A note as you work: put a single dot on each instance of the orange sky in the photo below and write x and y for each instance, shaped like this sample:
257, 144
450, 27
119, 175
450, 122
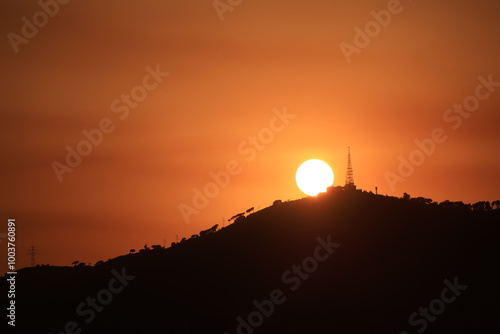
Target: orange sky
227, 79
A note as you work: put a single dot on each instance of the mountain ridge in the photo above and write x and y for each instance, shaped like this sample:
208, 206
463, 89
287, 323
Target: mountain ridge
394, 255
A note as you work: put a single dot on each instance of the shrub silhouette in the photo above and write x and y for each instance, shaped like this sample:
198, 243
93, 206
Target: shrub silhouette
481, 206
213, 229
240, 218
456, 205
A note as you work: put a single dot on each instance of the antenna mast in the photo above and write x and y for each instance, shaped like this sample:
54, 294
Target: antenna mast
349, 179
33, 252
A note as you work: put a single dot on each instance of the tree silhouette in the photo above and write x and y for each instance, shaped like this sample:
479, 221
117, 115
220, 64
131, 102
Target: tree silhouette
481, 206
422, 200
455, 205
210, 230
240, 218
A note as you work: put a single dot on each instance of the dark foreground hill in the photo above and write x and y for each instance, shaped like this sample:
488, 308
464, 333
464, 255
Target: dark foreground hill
344, 262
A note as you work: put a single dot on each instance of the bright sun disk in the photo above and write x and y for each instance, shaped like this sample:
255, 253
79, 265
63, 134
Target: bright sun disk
314, 176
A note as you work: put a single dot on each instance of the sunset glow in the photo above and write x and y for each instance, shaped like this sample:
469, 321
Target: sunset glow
130, 123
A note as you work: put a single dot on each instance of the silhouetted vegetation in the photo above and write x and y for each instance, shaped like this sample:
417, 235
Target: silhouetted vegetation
481, 206
236, 216
422, 200
209, 231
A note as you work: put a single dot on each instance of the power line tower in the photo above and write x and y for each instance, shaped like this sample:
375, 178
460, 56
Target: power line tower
349, 178
33, 252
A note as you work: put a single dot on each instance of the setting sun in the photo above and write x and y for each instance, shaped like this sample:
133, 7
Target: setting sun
314, 176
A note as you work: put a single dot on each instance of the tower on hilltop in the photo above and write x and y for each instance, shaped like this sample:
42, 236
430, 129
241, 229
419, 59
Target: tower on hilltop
349, 179
33, 252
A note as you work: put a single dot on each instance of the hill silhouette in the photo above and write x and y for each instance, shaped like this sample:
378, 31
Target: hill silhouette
346, 261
